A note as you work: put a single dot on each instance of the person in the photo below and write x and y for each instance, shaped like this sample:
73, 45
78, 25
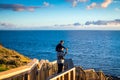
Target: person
60, 45
60, 55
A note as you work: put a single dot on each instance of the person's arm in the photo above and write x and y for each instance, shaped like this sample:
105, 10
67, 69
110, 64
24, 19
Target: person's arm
64, 48
66, 51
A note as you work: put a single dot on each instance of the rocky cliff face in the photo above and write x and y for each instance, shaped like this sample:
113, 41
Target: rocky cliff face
11, 59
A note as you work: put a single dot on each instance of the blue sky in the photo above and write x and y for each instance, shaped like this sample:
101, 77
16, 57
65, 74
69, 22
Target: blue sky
28, 13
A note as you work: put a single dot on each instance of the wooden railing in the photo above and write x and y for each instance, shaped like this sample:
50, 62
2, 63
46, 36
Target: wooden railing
53, 68
90, 74
45, 70
35, 70
66, 75
102, 76
80, 74
22, 73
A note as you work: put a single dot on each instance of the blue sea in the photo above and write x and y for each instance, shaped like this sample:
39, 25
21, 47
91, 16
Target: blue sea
90, 49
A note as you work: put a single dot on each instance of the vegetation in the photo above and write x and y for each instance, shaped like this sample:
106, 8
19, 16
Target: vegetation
11, 59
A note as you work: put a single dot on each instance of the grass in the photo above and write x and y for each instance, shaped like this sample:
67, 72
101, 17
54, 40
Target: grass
3, 67
11, 59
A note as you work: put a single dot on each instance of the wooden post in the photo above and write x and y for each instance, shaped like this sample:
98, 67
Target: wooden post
28, 76
63, 77
38, 76
100, 75
69, 75
59, 78
23, 77
74, 74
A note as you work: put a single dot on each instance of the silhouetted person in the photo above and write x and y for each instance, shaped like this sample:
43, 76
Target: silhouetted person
60, 55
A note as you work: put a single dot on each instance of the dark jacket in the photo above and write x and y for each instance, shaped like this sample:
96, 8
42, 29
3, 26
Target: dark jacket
59, 47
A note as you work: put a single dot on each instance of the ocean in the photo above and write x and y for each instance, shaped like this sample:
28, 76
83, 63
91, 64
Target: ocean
88, 48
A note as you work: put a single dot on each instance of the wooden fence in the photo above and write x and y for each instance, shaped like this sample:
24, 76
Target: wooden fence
45, 70
66, 75
35, 70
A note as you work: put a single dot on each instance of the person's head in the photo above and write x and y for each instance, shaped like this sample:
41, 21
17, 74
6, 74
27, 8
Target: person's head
61, 42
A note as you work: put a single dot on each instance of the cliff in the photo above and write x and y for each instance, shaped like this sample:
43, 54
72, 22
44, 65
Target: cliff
11, 59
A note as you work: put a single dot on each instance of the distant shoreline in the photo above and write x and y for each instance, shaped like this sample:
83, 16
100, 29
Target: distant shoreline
59, 30
89, 27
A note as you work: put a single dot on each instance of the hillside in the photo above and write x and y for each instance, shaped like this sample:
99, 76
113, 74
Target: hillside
11, 59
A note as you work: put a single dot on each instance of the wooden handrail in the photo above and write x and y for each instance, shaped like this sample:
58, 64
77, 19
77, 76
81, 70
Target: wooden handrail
44, 69
19, 70
40, 64
54, 62
102, 75
80, 73
64, 73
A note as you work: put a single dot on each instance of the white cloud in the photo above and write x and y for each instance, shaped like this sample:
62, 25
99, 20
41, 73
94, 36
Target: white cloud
93, 5
77, 0
21, 7
106, 3
46, 4
31, 9
83, 0
18, 7
6, 25
104, 22
74, 4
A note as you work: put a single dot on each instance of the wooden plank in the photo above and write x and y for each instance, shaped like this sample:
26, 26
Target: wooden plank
23, 77
74, 74
62, 77
28, 77
64, 73
69, 75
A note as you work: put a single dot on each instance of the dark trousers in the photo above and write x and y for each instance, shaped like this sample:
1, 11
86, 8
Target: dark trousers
60, 67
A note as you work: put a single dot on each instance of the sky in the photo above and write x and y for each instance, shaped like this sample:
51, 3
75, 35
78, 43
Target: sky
40, 13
